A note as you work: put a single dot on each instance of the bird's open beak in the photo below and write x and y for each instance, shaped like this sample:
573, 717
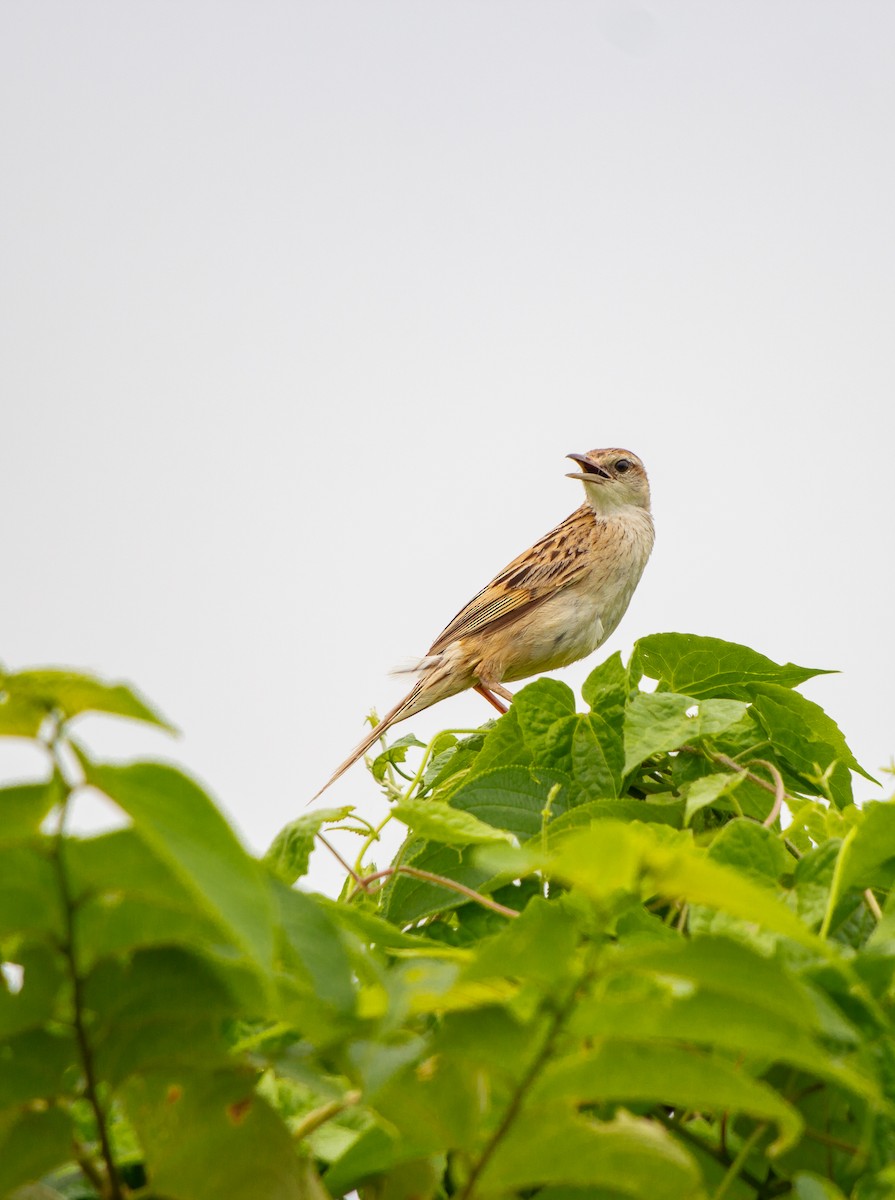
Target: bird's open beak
590, 472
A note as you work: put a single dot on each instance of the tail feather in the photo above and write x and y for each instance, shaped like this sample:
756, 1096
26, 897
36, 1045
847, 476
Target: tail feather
402, 709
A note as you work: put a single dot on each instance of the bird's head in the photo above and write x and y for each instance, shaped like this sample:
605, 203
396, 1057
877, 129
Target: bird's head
613, 479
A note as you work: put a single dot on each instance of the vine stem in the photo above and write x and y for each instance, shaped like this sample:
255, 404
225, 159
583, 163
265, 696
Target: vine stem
69, 948
776, 788
359, 881
512, 1110
373, 836
442, 881
736, 1166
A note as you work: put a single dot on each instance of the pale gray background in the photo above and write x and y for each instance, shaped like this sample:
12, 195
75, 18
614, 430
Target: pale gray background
304, 303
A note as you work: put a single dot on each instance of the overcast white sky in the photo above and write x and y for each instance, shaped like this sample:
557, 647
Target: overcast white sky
303, 304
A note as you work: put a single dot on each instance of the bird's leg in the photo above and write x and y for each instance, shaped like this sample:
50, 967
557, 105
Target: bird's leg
490, 697
490, 688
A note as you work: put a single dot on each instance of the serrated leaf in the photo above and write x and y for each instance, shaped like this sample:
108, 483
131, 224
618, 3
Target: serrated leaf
606, 688
538, 706
633, 1073
73, 693
705, 666
504, 745
440, 822
657, 722
289, 854
807, 738
511, 798
184, 828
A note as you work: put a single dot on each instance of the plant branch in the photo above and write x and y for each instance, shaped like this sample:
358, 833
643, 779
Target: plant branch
522, 1088
736, 1167
717, 1153
358, 881
779, 791
724, 760
326, 1112
441, 881
111, 1185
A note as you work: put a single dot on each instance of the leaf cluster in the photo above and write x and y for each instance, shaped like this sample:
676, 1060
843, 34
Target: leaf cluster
646, 949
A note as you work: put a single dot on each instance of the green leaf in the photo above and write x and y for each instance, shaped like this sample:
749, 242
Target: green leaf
755, 851
807, 739
511, 798
31, 1144
71, 693
728, 968
588, 751
163, 1006
29, 893
613, 857
705, 666
554, 1145
661, 810
127, 897
375, 931
659, 721
652, 1010
34, 1065
538, 706
868, 858
43, 980
606, 688
808, 1186
503, 746
408, 899
290, 852
19, 715
539, 947
182, 826
316, 946
237, 1146
658, 1074
707, 790
24, 807
395, 753
440, 822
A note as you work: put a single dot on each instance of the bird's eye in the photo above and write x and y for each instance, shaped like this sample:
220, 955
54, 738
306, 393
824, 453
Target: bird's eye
622, 465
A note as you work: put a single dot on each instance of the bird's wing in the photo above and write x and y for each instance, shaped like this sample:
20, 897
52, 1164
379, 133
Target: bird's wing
560, 557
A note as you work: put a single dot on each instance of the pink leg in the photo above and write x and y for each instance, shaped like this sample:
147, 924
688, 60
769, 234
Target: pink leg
490, 697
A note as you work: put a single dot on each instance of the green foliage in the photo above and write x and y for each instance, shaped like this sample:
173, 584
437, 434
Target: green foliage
644, 950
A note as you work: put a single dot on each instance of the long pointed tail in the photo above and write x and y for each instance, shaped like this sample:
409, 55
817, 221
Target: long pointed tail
404, 708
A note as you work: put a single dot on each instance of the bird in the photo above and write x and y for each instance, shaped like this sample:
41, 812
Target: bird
552, 605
